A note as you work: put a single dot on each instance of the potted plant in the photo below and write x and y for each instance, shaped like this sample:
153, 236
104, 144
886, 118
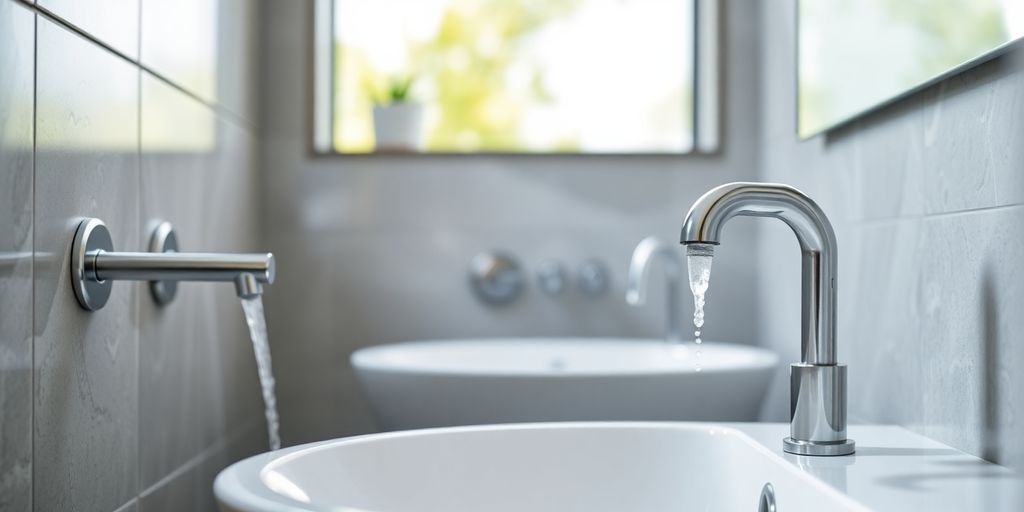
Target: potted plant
397, 121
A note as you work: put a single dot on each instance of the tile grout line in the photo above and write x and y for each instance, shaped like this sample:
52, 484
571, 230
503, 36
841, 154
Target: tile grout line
138, 229
126, 505
940, 215
32, 267
222, 443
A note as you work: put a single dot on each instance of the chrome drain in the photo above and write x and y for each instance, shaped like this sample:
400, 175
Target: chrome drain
767, 501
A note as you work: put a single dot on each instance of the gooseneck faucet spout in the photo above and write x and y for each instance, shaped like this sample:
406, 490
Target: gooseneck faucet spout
818, 382
636, 286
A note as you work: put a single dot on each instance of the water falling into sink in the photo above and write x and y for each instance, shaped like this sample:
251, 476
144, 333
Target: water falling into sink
698, 261
253, 308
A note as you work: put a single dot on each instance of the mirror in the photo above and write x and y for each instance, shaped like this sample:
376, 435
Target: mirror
857, 55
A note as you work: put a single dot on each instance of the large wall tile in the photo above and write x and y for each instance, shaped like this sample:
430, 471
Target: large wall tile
970, 301
233, 225
86, 382
961, 169
17, 39
879, 307
115, 22
197, 371
236, 57
889, 166
180, 42
178, 356
1008, 158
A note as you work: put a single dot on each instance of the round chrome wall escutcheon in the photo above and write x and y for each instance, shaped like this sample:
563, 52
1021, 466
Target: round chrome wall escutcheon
163, 240
496, 278
91, 238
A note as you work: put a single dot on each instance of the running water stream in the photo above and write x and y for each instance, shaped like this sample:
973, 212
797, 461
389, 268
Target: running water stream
698, 262
253, 308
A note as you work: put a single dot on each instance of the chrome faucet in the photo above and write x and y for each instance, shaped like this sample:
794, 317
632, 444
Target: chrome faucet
636, 285
817, 383
94, 265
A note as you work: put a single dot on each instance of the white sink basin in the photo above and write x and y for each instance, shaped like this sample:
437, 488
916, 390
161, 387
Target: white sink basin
488, 381
588, 467
620, 467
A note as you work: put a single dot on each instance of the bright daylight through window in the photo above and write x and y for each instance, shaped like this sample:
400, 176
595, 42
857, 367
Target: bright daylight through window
515, 76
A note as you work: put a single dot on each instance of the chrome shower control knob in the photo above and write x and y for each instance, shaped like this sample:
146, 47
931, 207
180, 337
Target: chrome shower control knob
496, 278
551, 277
592, 278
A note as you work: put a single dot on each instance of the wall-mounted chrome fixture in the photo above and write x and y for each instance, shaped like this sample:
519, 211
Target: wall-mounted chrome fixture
817, 383
496, 278
592, 278
636, 283
95, 265
552, 277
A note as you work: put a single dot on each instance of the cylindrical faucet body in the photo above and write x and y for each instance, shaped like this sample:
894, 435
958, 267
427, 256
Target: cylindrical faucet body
818, 383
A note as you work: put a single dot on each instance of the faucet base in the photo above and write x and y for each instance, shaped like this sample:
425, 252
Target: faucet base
818, 449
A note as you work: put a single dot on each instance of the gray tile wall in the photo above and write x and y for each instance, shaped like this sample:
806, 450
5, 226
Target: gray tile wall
134, 406
927, 197
375, 249
16, 142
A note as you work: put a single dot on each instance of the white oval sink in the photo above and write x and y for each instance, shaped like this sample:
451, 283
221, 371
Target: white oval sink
590, 467
487, 381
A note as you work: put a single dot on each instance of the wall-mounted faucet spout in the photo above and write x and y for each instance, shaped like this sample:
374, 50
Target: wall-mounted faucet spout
818, 383
179, 266
636, 286
94, 265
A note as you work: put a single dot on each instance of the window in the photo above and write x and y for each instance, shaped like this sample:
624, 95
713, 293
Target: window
516, 76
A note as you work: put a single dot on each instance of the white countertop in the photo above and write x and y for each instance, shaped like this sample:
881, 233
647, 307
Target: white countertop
896, 469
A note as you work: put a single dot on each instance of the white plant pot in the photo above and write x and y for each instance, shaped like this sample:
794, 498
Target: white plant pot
398, 127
